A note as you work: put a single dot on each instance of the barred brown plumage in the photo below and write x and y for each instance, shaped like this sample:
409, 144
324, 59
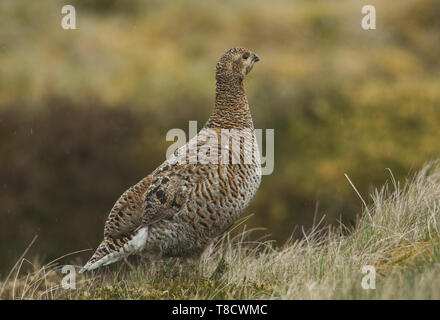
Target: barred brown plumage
181, 207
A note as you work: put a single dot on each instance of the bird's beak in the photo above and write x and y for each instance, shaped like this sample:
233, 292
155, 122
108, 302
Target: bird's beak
255, 58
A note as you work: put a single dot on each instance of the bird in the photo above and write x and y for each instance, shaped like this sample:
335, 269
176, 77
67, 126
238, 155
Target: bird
199, 191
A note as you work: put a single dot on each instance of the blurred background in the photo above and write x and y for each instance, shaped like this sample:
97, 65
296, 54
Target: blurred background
84, 113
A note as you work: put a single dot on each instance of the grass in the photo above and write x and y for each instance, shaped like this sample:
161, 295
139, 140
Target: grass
398, 234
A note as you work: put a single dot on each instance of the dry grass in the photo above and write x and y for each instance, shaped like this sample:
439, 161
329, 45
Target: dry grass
398, 234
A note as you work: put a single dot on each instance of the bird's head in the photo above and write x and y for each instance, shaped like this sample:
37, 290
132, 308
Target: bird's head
236, 63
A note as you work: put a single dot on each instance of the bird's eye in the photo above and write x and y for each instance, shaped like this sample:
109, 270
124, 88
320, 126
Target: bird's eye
245, 56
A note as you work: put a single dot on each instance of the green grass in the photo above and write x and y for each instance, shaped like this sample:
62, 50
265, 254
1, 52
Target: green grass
397, 233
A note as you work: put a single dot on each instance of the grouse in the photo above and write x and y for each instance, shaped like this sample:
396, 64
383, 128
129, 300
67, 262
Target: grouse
199, 191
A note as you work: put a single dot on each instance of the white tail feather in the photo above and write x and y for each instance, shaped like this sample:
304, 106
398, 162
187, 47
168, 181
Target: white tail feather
134, 245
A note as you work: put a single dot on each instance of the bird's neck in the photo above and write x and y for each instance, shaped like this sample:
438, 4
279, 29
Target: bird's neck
231, 106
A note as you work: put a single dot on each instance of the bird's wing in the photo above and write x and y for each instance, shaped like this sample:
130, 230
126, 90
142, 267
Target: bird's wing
168, 192
161, 194
126, 214
158, 196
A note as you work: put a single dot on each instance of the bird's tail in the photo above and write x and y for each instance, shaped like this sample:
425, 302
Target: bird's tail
104, 255
111, 250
